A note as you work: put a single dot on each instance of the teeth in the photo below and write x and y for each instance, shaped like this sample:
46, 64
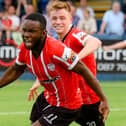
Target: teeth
27, 40
58, 27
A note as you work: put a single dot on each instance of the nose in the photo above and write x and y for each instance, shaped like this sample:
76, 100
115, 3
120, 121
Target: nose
26, 34
58, 21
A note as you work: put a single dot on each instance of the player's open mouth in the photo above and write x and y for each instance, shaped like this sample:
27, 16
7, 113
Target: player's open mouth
28, 43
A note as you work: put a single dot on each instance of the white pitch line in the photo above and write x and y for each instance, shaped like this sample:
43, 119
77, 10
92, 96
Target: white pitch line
112, 85
118, 109
23, 113
13, 113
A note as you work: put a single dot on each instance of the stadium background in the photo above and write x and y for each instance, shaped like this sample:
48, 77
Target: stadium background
111, 65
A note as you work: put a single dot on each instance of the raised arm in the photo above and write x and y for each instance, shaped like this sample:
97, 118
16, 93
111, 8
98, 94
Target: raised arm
102, 28
81, 69
33, 90
11, 74
91, 45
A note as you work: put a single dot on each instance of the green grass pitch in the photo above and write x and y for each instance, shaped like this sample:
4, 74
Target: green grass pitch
15, 109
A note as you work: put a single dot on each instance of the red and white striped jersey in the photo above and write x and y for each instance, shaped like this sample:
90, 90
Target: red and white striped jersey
51, 68
75, 40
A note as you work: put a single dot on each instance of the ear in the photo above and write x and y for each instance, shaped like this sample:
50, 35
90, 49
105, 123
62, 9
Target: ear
44, 32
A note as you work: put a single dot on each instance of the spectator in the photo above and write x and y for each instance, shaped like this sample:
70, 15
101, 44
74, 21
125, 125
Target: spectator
29, 9
113, 23
15, 21
83, 5
21, 7
41, 4
88, 24
49, 28
75, 18
4, 5
7, 3
5, 26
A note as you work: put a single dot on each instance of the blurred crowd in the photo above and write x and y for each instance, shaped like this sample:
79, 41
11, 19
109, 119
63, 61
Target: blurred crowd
13, 13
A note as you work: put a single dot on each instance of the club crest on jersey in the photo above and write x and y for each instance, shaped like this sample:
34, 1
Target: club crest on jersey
69, 55
51, 66
66, 56
72, 56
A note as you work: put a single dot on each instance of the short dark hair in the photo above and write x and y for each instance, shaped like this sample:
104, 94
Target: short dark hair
37, 17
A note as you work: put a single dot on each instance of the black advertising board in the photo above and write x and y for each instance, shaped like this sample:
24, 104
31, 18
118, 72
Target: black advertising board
111, 61
8, 55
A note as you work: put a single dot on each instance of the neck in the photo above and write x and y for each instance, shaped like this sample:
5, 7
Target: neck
38, 48
62, 35
116, 12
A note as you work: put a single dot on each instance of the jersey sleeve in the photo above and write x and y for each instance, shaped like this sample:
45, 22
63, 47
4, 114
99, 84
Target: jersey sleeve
20, 59
66, 56
80, 37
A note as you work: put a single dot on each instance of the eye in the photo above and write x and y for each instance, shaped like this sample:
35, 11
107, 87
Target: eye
62, 18
54, 18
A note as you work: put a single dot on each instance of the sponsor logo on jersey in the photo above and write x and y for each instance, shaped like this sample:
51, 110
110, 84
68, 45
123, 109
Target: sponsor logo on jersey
50, 80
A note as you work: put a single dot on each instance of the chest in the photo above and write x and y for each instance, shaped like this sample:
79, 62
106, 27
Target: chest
43, 67
73, 42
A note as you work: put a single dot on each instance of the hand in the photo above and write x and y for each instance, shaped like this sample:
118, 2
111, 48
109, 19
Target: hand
31, 94
104, 109
105, 48
24, 2
19, 2
33, 91
100, 33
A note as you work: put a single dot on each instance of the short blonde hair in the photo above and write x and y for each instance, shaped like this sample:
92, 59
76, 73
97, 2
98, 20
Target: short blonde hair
57, 5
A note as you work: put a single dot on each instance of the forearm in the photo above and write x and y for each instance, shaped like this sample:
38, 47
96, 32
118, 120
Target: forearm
9, 76
91, 45
90, 79
36, 84
103, 25
118, 45
18, 10
24, 2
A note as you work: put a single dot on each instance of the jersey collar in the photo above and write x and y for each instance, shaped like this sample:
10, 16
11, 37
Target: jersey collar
71, 26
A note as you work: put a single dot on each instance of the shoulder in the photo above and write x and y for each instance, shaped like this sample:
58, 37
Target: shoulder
52, 42
79, 36
53, 45
108, 12
121, 14
22, 48
76, 33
